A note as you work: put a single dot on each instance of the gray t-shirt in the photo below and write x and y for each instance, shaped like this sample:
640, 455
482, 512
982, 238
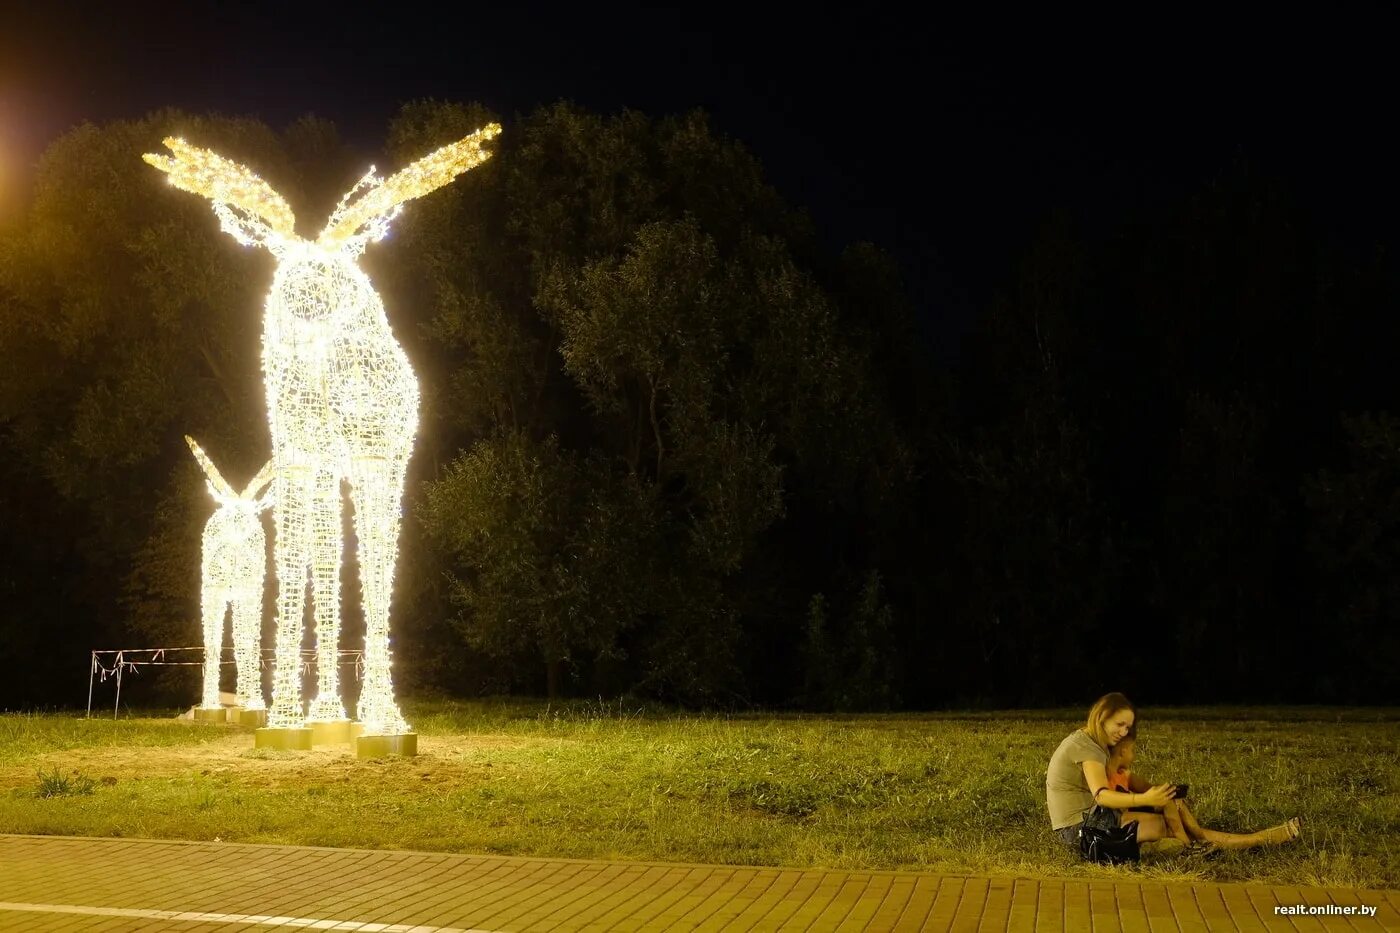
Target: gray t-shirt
1066, 792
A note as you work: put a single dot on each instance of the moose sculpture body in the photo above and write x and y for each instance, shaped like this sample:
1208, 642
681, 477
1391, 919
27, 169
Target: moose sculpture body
342, 406
233, 570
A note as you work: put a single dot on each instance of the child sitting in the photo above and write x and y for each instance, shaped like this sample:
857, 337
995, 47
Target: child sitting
1181, 824
1119, 768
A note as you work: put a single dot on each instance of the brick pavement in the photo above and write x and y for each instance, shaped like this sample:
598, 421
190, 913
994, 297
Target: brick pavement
76, 885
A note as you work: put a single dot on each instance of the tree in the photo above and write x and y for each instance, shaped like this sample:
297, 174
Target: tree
1354, 541
1031, 534
1220, 555
633, 289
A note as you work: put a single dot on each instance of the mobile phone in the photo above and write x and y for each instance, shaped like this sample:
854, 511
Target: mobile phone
1181, 790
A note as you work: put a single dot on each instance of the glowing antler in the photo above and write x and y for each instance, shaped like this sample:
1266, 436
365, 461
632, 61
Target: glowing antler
264, 476
429, 173
216, 479
225, 182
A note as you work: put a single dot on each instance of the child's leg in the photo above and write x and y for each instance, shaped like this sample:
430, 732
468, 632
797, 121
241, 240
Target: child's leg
1193, 828
1175, 823
1153, 826
1277, 835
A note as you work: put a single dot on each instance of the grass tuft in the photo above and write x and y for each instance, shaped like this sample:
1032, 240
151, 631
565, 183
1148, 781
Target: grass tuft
57, 784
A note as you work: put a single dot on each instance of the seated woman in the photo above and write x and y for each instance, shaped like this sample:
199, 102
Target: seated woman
1077, 778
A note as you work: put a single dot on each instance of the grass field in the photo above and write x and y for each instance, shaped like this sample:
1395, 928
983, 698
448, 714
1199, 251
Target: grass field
956, 792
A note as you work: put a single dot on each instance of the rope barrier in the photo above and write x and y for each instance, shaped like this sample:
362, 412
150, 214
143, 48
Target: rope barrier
111, 662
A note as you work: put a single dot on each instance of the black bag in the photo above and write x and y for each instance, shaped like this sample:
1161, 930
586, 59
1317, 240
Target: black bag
1102, 840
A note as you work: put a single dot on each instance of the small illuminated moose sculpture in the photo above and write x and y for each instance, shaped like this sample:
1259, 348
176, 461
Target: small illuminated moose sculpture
342, 405
232, 573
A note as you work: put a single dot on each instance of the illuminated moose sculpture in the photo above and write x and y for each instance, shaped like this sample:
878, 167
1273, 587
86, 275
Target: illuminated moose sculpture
232, 574
342, 405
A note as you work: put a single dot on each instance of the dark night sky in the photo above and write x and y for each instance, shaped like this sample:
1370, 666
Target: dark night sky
945, 144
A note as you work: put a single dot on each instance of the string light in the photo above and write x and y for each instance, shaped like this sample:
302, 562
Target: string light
342, 405
232, 574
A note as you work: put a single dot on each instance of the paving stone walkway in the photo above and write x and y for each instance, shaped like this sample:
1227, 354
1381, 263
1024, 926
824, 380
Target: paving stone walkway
60, 883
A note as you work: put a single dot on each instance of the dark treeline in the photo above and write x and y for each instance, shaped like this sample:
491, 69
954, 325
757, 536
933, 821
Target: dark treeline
673, 447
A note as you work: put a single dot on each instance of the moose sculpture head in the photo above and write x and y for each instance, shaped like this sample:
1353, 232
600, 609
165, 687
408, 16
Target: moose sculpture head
342, 405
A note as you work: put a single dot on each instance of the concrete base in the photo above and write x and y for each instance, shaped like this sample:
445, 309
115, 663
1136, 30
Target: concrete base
383, 746
257, 718
298, 740
333, 731
216, 714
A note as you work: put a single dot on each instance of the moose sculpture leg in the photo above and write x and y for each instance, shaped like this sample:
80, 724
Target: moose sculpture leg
213, 605
377, 484
292, 554
327, 713
247, 638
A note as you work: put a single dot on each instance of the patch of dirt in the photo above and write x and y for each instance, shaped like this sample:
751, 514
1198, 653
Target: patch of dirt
441, 759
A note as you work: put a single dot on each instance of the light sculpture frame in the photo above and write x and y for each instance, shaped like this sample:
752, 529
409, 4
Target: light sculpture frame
233, 571
342, 406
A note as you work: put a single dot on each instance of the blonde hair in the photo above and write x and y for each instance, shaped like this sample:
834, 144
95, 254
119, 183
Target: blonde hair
1103, 710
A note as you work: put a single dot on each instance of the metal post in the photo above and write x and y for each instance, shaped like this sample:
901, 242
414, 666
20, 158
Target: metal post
119, 686
92, 672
